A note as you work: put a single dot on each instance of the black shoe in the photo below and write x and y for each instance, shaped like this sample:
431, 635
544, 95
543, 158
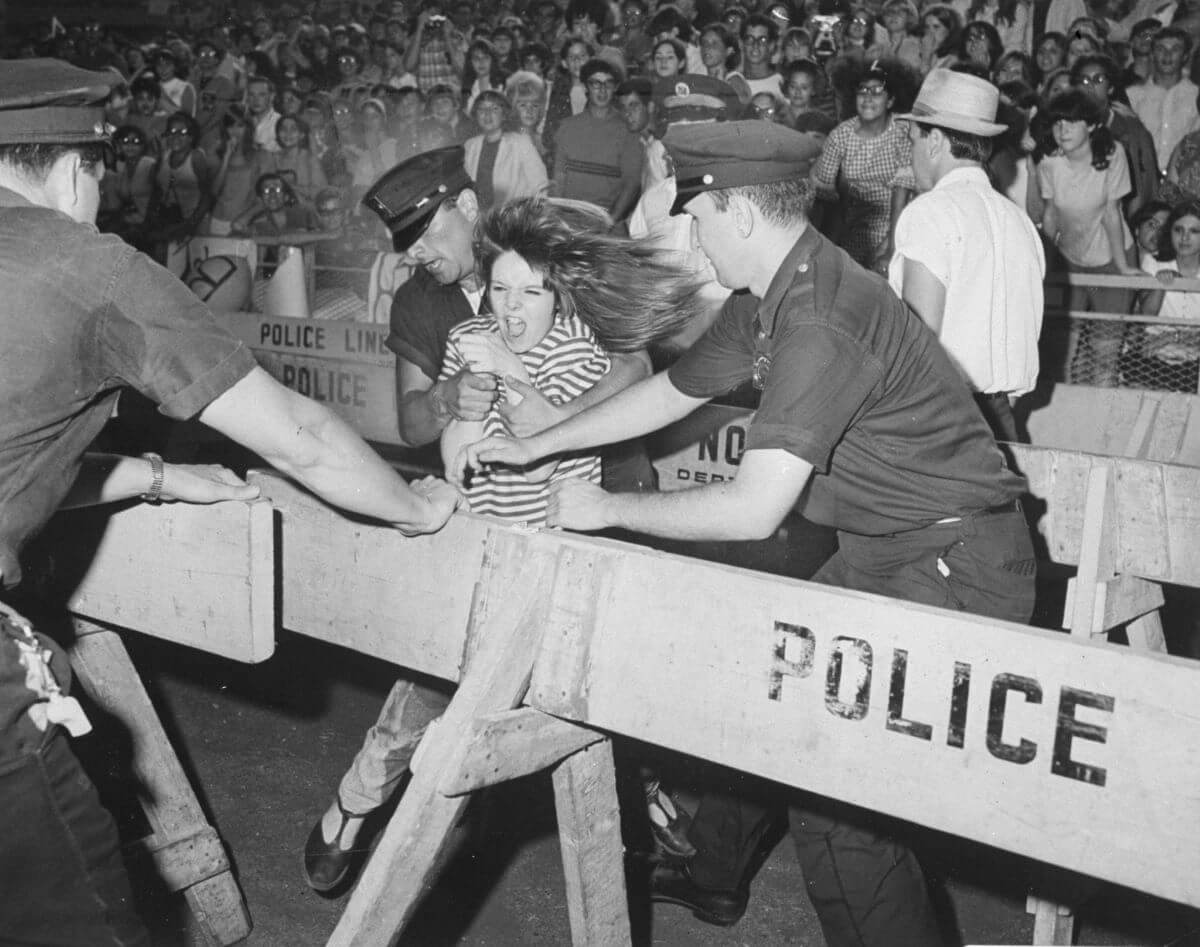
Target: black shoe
673, 884
325, 864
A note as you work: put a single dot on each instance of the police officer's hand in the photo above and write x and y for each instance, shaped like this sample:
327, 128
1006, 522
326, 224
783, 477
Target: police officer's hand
511, 451
526, 410
469, 396
204, 483
443, 500
579, 505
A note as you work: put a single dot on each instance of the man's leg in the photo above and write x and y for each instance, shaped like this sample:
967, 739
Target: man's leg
60, 861
374, 774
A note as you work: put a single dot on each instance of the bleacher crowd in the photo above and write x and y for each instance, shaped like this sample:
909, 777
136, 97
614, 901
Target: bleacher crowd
275, 120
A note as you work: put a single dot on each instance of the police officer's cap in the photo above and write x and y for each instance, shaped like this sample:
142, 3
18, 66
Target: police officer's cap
696, 98
407, 197
48, 101
736, 154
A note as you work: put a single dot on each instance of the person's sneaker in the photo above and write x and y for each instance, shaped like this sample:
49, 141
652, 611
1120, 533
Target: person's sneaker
326, 865
673, 884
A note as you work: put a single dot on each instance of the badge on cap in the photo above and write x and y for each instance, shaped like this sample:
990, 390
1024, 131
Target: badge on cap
682, 89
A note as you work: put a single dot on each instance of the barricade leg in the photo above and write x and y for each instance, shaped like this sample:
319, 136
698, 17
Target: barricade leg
186, 849
589, 832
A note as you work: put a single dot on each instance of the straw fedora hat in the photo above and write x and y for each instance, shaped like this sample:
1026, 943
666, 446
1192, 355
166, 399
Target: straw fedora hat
959, 101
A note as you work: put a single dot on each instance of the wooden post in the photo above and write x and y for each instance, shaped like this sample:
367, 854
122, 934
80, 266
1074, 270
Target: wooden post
589, 833
506, 624
185, 847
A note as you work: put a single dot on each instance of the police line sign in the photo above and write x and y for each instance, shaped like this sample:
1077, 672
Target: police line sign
1081, 754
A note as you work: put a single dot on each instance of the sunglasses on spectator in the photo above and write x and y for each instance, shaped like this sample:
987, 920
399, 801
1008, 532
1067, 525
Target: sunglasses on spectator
871, 88
757, 40
601, 83
1094, 80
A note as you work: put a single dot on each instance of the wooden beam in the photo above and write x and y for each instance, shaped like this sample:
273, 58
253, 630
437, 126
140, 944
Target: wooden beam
183, 862
589, 834
102, 665
202, 576
1068, 751
508, 617
1123, 599
515, 743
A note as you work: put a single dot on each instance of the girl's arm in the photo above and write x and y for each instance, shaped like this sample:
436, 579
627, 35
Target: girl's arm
1116, 239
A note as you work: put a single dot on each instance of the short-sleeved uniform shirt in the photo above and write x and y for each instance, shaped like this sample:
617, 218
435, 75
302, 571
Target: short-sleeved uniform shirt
567, 362
82, 315
423, 310
856, 385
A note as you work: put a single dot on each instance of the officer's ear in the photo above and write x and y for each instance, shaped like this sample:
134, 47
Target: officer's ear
743, 215
468, 204
64, 187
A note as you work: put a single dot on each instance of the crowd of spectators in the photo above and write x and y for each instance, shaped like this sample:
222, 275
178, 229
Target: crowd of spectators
566, 97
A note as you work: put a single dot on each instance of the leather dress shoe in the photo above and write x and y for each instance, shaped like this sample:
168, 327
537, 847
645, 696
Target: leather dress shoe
326, 865
673, 884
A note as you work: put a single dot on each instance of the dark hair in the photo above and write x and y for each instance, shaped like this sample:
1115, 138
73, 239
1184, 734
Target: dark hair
1146, 211
806, 67
539, 51
289, 196
301, 124
780, 202
628, 291
1112, 72
193, 127
1029, 70
146, 84
637, 85
573, 40
733, 49
669, 18
495, 70
991, 37
676, 47
34, 161
757, 19
1175, 32
594, 10
594, 67
963, 145
949, 18
1075, 106
1006, 11
1058, 39
1166, 248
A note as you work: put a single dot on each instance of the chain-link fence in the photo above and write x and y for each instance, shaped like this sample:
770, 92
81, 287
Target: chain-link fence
1116, 349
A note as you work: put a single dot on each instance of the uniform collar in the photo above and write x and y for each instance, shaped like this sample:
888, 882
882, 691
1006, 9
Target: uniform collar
798, 260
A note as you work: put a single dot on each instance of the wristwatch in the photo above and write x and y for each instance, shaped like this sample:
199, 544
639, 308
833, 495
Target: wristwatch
157, 472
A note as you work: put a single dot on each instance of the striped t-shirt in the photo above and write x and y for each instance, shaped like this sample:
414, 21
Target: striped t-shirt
563, 365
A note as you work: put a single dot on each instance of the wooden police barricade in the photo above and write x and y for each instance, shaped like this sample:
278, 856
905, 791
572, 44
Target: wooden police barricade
203, 576
1065, 749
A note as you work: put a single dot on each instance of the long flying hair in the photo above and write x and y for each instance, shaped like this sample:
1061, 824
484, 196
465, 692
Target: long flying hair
626, 290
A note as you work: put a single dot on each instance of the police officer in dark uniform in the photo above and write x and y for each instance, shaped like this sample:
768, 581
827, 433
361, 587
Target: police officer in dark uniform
83, 314
863, 414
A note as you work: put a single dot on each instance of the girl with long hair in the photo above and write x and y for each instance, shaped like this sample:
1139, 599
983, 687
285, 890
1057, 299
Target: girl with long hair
1011, 18
503, 164
1082, 181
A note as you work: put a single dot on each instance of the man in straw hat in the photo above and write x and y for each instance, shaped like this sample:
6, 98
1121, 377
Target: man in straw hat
863, 415
968, 260
84, 314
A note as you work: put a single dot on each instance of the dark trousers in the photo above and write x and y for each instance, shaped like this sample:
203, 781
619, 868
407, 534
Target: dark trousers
997, 411
62, 880
866, 886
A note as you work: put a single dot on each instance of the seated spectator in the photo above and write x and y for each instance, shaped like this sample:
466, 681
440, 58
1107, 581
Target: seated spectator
238, 170
527, 93
147, 112
802, 81
568, 94
901, 19
128, 186
483, 72
294, 161
183, 186
1012, 20
443, 108
375, 152
861, 161
1050, 54
504, 165
178, 95
1168, 357
1099, 78
596, 159
722, 55
941, 39
668, 59
981, 45
276, 213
